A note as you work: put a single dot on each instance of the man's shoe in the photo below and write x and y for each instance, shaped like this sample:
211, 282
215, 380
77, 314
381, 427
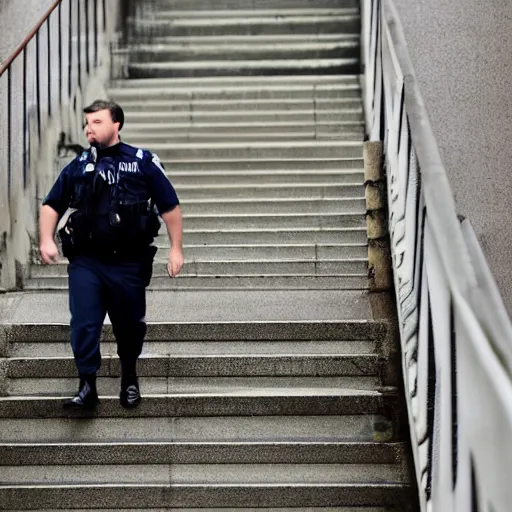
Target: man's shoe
86, 398
130, 393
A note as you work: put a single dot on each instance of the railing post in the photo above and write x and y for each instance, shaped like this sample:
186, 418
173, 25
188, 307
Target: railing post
376, 213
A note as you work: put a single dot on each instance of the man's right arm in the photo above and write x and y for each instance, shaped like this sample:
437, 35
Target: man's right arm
54, 206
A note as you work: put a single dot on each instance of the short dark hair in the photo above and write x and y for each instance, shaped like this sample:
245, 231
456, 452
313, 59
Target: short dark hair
116, 112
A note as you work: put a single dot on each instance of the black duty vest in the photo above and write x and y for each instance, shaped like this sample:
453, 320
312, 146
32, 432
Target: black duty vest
114, 211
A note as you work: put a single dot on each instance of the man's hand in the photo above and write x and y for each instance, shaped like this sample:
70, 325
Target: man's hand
175, 262
49, 252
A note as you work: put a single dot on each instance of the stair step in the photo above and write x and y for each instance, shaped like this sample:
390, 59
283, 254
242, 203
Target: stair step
242, 509
271, 12
175, 90
30, 454
262, 236
153, 385
198, 429
202, 474
187, 133
251, 39
246, 117
238, 267
180, 136
242, 67
143, 496
269, 179
306, 192
171, 349
192, 134
250, 4
258, 150
236, 93
201, 253
166, 24
217, 331
277, 251
242, 268
250, 402
216, 83
316, 252
173, 52
229, 282
222, 105
263, 365
142, 135
266, 205
263, 164
270, 221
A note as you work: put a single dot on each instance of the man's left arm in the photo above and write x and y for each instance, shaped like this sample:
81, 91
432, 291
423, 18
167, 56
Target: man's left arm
167, 203
174, 225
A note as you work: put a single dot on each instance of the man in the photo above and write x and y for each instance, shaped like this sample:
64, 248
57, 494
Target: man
113, 190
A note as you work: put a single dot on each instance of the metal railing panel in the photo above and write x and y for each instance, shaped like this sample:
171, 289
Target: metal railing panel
38, 81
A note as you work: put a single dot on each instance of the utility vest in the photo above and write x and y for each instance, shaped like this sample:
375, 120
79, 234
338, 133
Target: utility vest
114, 214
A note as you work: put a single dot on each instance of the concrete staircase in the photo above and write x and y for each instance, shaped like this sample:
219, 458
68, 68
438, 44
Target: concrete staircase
266, 379
273, 415
268, 162
269, 171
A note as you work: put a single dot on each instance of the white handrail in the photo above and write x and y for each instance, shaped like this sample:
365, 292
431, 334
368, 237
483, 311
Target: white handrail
455, 332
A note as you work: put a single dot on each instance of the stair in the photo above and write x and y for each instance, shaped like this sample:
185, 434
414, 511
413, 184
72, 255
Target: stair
271, 186
264, 378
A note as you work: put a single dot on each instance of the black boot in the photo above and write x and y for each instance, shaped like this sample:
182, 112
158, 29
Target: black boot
130, 392
87, 396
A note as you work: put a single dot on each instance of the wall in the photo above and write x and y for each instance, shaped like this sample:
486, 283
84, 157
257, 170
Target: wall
17, 18
462, 55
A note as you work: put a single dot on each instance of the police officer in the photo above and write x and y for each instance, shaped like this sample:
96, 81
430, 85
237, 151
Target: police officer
115, 193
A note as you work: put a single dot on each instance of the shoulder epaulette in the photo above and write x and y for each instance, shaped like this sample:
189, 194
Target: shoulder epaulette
133, 151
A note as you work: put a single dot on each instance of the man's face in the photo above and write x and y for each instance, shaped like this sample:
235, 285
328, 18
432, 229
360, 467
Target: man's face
100, 129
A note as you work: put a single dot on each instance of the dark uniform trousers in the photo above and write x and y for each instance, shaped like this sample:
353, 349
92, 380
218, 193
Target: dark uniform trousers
97, 287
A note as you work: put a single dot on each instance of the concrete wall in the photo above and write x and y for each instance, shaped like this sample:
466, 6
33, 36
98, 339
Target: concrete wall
18, 213
17, 18
462, 54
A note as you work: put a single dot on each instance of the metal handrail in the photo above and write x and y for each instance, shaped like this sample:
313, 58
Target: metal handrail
5, 65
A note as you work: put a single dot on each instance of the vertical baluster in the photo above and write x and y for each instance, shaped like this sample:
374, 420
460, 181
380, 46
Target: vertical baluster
60, 51
79, 43
25, 122
9, 128
87, 53
49, 51
4, 178
95, 3
70, 50
38, 88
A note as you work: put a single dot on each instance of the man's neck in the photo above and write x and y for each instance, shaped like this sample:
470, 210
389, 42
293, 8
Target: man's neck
111, 150
103, 147
113, 142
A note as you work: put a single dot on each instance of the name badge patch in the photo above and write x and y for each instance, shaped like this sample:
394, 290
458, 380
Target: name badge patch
129, 167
